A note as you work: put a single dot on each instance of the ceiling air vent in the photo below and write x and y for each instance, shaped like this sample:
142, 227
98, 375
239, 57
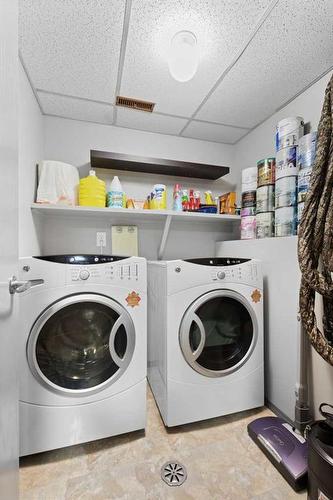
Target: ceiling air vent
128, 102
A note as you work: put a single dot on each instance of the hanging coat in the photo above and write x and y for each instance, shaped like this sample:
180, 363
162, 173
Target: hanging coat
315, 241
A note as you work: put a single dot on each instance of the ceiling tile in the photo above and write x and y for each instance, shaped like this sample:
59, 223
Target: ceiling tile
72, 46
293, 47
149, 121
221, 28
77, 109
213, 132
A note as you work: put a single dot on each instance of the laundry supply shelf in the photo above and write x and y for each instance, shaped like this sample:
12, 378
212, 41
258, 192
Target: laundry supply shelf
131, 217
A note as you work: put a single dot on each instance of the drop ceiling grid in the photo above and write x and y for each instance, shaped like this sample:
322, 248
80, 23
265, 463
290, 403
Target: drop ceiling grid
237, 92
221, 29
287, 54
72, 47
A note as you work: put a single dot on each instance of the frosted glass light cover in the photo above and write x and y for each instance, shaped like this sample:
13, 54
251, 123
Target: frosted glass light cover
183, 56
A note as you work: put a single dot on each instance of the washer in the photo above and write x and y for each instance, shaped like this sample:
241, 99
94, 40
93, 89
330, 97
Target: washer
82, 349
205, 337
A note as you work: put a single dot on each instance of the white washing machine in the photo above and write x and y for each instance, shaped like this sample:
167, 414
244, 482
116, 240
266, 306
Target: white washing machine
205, 337
83, 349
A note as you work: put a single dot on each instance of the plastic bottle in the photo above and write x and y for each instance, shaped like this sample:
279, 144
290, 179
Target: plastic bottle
159, 197
115, 194
177, 198
92, 191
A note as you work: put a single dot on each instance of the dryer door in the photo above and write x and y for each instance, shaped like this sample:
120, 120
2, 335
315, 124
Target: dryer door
218, 333
81, 343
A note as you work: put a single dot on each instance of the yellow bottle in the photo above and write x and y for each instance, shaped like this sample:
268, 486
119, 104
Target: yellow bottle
92, 191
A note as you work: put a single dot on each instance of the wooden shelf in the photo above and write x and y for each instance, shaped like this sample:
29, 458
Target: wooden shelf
118, 216
130, 163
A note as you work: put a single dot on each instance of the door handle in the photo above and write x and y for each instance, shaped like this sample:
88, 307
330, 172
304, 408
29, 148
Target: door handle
17, 286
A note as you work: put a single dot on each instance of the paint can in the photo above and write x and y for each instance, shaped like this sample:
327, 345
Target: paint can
266, 171
265, 199
286, 162
251, 186
248, 211
300, 208
265, 225
288, 132
249, 199
307, 150
249, 179
286, 221
303, 183
286, 192
248, 228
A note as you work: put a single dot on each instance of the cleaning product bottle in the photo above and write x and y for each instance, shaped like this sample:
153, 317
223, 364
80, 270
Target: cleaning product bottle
177, 198
115, 194
92, 191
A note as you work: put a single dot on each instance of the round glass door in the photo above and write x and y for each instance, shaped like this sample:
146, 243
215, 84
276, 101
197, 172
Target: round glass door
218, 333
81, 343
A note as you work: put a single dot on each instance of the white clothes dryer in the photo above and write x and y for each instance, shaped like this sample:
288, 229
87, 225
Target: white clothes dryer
82, 328
205, 337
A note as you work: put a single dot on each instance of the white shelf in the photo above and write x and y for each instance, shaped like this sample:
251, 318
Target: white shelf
118, 216
129, 214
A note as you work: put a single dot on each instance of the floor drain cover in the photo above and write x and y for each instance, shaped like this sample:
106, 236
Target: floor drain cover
173, 473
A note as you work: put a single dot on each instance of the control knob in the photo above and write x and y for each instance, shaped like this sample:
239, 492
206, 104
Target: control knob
84, 274
221, 275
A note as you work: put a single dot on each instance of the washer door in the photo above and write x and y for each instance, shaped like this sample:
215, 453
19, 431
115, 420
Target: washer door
81, 344
218, 333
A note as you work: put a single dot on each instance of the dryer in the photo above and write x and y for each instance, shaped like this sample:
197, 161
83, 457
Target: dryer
82, 329
205, 337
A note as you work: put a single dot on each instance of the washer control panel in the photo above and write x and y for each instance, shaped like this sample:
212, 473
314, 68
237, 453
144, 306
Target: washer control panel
243, 273
104, 273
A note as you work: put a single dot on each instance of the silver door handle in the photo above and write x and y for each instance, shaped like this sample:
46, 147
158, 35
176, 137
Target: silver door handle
16, 286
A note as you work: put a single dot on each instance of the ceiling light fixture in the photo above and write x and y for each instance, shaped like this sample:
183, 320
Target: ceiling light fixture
183, 56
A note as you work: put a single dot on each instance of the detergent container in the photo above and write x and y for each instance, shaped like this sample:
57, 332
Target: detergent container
115, 196
92, 191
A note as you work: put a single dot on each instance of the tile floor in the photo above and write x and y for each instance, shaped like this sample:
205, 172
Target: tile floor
222, 464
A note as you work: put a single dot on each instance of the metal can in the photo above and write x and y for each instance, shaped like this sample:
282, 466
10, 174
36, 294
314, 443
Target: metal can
288, 132
307, 150
265, 225
285, 192
248, 211
248, 228
300, 208
286, 221
265, 199
249, 175
249, 199
266, 171
286, 162
303, 183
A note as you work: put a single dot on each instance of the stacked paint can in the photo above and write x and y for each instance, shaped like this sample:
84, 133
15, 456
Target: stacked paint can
248, 210
305, 160
289, 132
265, 198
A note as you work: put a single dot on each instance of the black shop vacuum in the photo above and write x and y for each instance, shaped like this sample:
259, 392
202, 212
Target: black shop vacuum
320, 456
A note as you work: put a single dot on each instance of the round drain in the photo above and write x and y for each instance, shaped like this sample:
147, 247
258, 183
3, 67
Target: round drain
173, 473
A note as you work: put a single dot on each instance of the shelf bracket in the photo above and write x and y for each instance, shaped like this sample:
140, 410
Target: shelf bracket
164, 238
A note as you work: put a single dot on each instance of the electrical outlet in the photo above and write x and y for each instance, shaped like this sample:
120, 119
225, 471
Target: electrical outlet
101, 239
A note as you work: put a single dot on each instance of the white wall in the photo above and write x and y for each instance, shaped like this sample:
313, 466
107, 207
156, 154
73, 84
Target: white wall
259, 144
31, 150
71, 141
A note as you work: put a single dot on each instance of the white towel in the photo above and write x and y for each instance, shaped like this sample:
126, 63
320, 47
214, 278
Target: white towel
58, 183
